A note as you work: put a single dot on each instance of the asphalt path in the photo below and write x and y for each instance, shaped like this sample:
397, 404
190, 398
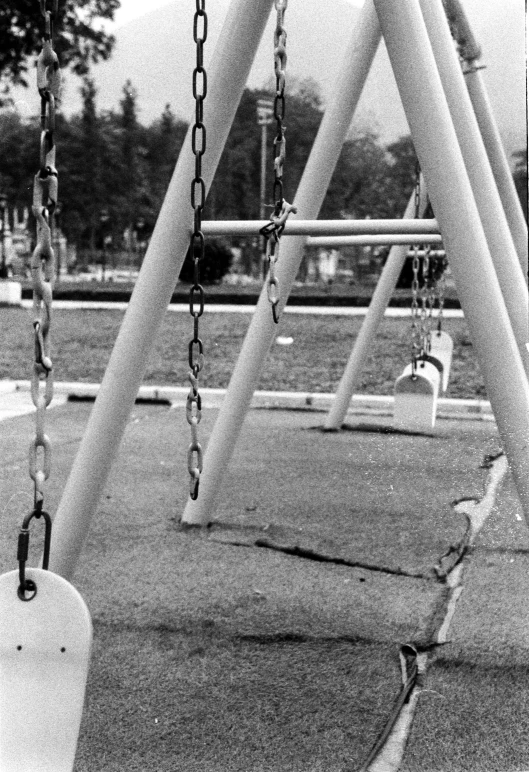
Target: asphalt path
270, 640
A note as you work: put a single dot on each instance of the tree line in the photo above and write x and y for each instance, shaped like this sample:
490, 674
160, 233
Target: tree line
110, 163
114, 171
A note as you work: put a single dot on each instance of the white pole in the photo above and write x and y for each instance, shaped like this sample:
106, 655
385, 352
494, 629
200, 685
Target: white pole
477, 285
298, 227
375, 314
470, 51
309, 198
488, 201
373, 241
498, 161
228, 73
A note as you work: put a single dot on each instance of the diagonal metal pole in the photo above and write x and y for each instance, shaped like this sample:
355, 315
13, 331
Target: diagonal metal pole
477, 285
488, 201
498, 161
309, 198
375, 314
470, 52
228, 74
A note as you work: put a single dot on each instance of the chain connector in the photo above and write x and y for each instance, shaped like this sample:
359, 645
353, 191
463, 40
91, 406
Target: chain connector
27, 588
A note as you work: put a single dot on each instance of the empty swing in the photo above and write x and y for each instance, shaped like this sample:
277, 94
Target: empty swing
441, 344
45, 627
417, 389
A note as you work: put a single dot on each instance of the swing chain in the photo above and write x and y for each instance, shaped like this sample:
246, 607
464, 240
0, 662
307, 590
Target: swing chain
197, 248
440, 284
42, 264
272, 231
416, 338
28, 585
415, 329
427, 301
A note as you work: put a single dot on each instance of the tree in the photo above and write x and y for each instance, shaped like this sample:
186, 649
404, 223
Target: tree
164, 141
357, 187
79, 39
213, 266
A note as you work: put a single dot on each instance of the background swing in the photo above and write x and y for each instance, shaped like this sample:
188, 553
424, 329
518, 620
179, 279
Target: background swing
417, 390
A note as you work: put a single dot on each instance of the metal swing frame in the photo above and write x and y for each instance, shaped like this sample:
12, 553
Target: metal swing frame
418, 46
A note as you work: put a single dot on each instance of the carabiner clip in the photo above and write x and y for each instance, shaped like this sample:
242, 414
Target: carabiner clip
28, 585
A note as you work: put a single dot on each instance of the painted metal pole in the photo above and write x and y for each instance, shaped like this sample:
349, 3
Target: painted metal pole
470, 52
373, 240
375, 314
499, 164
228, 72
477, 285
488, 201
298, 227
309, 198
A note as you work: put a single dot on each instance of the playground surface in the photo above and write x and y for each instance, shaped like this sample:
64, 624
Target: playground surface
269, 642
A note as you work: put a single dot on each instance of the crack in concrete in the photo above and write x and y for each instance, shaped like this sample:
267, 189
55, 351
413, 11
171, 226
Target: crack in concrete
389, 755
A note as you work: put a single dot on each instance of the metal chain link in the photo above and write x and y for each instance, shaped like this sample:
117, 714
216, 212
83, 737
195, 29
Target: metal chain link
197, 248
427, 301
441, 265
45, 190
273, 230
416, 338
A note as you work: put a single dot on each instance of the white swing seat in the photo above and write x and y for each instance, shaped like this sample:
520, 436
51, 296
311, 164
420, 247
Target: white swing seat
441, 347
416, 397
44, 656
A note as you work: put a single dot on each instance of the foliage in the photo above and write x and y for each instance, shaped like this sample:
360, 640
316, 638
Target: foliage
79, 39
214, 265
114, 171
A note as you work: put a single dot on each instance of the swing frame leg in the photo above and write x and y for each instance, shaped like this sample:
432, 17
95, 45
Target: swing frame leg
477, 285
309, 198
487, 198
229, 71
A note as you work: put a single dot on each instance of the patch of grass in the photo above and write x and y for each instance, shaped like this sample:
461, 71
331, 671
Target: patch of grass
82, 341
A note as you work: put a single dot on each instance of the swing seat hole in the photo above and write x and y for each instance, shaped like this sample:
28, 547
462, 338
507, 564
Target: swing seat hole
28, 591
63, 649
19, 648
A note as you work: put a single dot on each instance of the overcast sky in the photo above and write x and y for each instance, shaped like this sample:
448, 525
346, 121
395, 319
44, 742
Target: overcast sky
131, 9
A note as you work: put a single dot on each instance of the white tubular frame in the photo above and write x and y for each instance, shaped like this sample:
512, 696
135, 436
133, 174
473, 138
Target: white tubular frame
298, 227
486, 196
478, 288
375, 314
228, 72
309, 198
499, 164
471, 52
373, 241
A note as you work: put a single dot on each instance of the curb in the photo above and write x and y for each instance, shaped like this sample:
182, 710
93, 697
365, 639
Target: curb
229, 308
361, 404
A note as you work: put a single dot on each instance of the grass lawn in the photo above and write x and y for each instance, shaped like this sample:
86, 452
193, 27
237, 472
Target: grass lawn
82, 341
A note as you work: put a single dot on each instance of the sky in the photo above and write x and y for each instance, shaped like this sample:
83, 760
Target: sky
132, 9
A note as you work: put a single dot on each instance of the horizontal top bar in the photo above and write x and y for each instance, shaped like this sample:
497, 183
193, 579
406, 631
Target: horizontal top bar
320, 227
374, 240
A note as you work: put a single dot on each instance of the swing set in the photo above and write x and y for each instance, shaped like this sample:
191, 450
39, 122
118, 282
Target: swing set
45, 628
